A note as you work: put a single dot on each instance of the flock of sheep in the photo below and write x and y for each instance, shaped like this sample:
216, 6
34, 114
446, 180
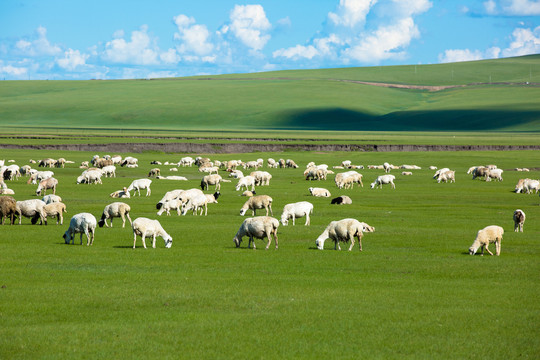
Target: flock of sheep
256, 227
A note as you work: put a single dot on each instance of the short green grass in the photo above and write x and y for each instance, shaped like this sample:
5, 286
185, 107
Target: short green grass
414, 292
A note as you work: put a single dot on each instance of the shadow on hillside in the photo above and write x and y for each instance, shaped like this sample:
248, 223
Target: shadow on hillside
447, 120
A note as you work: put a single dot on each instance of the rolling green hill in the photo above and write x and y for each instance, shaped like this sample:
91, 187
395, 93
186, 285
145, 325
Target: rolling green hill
497, 95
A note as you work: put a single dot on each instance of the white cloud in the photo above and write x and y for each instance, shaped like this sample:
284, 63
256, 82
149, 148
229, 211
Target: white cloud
526, 41
249, 25
11, 70
140, 50
40, 46
194, 38
351, 12
169, 57
297, 52
512, 7
72, 59
457, 55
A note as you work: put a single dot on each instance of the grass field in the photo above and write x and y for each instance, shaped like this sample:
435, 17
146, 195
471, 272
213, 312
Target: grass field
290, 100
414, 292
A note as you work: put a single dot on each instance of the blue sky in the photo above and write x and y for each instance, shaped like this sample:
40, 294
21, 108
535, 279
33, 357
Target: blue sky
118, 39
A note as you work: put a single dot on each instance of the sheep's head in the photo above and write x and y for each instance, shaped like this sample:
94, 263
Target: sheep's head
243, 211
472, 250
67, 237
367, 228
284, 219
237, 240
373, 184
168, 241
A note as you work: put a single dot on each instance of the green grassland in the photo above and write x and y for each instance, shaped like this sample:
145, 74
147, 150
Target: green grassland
414, 292
327, 100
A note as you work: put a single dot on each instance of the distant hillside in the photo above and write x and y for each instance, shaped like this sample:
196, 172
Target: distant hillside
497, 94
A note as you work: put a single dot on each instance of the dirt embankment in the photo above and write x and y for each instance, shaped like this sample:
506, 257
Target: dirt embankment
220, 148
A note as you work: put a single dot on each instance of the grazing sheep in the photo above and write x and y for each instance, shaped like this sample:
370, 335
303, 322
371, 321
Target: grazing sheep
195, 203
259, 227
494, 174
262, 178
319, 192
101, 162
55, 209
237, 174
109, 171
527, 185
480, 171
189, 194
131, 161
145, 227
519, 220
49, 183
296, 210
115, 209
489, 234
383, 179
291, 164
209, 169
140, 184
271, 163
348, 179
449, 175
167, 206
8, 208
169, 195
39, 176
341, 200
213, 179
91, 176
246, 182
344, 230
154, 172
346, 164
212, 198
314, 173
32, 209
257, 202
121, 194
83, 223
186, 161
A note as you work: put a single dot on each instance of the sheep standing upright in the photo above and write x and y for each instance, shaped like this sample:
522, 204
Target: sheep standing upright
259, 227
519, 220
296, 210
8, 208
489, 234
83, 223
344, 230
115, 209
145, 227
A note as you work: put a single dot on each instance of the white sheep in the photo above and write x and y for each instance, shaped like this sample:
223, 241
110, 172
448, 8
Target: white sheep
167, 206
259, 227
140, 184
489, 234
342, 200
32, 209
109, 171
494, 174
271, 163
344, 230
519, 220
195, 203
55, 209
83, 223
92, 176
186, 161
406, 173
262, 178
130, 161
120, 194
319, 192
246, 182
169, 195
213, 179
145, 227
47, 199
39, 176
384, 179
257, 202
449, 175
296, 210
172, 177
115, 209
237, 174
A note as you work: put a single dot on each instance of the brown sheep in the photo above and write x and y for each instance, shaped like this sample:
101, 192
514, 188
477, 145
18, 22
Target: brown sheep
8, 207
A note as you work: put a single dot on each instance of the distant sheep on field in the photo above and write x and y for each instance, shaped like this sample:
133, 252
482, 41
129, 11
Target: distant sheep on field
341, 200
115, 209
344, 230
145, 227
519, 220
83, 223
259, 227
319, 192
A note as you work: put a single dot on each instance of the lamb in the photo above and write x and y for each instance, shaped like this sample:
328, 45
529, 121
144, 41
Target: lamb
186, 161
195, 203
129, 160
49, 183
140, 184
342, 200
82, 223
246, 182
48, 199
346, 164
259, 227
257, 202
262, 178
519, 220
8, 208
115, 209
167, 206
384, 179
271, 163
438, 173
212, 198
213, 179
296, 210
319, 192
344, 230
145, 227
109, 171
170, 195
449, 175
32, 209
290, 163
489, 234
494, 174
121, 194
116, 159
55, 209
154, 172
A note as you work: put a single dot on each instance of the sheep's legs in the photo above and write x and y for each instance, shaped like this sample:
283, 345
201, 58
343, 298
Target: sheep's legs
351, 238
154, 241
498, 247
487, 249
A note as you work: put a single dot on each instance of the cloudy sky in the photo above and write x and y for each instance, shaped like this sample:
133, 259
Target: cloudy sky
117, 39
